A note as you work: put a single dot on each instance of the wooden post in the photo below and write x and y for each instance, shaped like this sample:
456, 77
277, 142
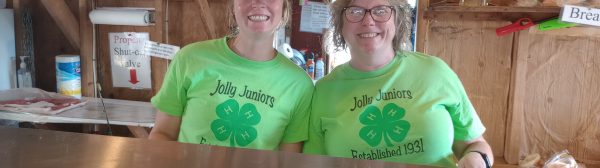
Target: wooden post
207, 17
422, 25
65, 20
159, 65
86, 50
516, 101
16, 4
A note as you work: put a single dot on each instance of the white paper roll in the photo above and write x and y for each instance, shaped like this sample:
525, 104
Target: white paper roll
286, 50
131, 17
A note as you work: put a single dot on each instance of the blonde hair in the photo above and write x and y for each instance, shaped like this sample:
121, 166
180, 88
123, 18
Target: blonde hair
402, 20
233, 27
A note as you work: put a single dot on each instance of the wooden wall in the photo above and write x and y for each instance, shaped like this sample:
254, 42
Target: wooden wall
185, 23
563, 96
48, 42
536, 92
483, 63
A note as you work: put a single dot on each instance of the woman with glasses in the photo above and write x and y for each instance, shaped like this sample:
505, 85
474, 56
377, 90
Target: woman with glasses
389, 104
237, 91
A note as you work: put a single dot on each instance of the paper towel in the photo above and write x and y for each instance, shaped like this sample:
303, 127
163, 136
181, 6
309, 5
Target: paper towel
286, 50
131, 17
7, 47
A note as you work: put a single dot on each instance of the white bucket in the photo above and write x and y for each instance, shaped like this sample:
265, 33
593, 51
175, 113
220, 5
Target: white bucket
68, 75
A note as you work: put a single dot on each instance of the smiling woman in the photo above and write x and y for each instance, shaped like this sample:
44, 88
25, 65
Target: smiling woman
339, 53
390, 104
237, 91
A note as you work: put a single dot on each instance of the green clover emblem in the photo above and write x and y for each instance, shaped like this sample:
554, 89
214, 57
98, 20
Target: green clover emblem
235, 124
387, 125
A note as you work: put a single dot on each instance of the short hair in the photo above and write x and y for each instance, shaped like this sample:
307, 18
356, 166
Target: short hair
402, 20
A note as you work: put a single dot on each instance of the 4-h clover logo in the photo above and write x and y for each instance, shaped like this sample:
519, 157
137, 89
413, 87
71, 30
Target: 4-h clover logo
235, 123
384, 125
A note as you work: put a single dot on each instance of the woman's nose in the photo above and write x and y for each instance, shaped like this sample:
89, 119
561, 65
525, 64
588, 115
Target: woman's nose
258, 3
368, 19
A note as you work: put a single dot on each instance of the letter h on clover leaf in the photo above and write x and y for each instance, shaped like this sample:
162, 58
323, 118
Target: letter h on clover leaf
235, 123
386, 125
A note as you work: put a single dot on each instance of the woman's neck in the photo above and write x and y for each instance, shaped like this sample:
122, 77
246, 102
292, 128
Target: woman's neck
253, 48
365, 61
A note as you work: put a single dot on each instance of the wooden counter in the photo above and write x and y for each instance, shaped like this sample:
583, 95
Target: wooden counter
42, 148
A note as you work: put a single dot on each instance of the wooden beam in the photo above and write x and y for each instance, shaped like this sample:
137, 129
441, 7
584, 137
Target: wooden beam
422, 25
65, 20
158, 34
138, 132
516, 98
16, 4
494, 9
207, 17
86, 52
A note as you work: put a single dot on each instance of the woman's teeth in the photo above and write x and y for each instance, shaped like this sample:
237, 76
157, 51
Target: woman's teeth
368, 35
258, 18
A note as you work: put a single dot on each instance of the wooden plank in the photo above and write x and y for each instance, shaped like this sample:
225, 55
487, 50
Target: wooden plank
562, 97
516, 98
483, 63
579, 31
159, 65
138, 132
207, 17
488, 9
488, 16
50, 43
65, 20
422, 25
16, 4
86, 50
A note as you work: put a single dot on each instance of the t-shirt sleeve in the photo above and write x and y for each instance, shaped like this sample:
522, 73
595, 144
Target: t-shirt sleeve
297, 129
171, 98
466, 122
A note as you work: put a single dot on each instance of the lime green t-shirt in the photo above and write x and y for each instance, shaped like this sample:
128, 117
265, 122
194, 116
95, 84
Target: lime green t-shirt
409, 111
227, 100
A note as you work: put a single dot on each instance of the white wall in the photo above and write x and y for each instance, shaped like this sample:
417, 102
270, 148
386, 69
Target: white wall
7, 47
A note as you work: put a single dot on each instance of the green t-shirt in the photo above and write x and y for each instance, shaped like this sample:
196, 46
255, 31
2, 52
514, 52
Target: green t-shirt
227, 100
409, 111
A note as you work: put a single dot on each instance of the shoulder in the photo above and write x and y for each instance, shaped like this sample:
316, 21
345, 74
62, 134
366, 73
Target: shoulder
426, 63
202, 45
335, 77
193, 50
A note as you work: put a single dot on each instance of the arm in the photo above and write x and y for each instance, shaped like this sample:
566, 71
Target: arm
291, 147
467, 158
166, 127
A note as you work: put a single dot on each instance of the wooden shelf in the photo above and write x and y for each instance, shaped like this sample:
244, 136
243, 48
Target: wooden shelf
494, 9
491, 12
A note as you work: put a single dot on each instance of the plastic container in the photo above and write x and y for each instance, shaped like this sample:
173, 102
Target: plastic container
298, 59
68, 75
23, 75
310, 68
319, 68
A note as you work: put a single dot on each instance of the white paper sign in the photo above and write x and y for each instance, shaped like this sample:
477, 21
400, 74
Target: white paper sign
160, 50
581, 15
129, 64
314, 17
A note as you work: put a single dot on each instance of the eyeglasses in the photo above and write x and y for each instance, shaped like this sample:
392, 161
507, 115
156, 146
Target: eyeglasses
379, 13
